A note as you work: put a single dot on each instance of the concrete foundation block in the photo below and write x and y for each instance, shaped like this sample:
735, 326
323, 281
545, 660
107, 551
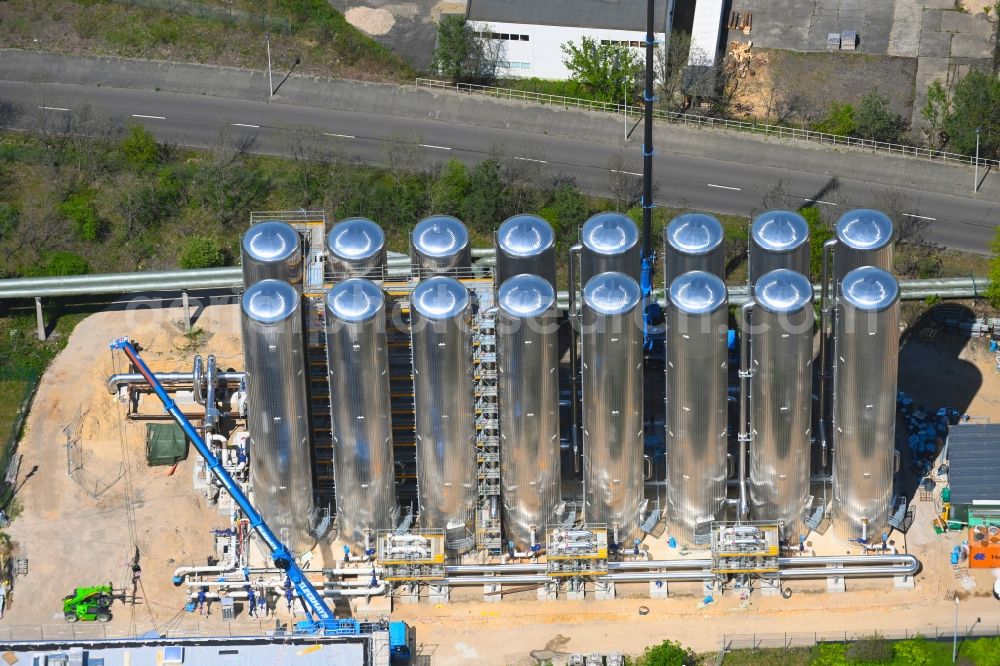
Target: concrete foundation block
438, 594
769, 588
658, 589
604, 591
836, 584
708, 588
491, 593
576, 594
409, 594
903, 582
548, 592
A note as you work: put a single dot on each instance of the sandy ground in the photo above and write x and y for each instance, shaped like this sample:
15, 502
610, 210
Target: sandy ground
73, 539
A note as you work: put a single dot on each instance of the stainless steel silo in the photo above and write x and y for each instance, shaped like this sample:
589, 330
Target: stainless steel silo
440, 313
864, 238
272, 250
527, 330
356, 248
525, 244
358, 361
693, 242
277, 410
778, 239
610, 242
781, 355
697, 383
866, 362
611, 358
439, 245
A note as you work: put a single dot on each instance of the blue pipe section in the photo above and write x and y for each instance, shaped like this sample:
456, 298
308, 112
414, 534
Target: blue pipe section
312, 602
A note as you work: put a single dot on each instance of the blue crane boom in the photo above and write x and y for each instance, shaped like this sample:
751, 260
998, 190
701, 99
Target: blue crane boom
325, 622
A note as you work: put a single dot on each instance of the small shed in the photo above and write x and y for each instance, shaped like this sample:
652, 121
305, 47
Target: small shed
166, 444
974, 473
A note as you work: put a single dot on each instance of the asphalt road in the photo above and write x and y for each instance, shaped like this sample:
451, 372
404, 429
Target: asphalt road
697, 183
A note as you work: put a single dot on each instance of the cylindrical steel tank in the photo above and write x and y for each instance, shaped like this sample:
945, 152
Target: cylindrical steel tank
439, 245
356, 248
440, 314
272, 250
360, 411
864, 238
527, 330
277, 410
866, 362
611, 357
781, 354
778, 239
697, 409
525, 244
693, 242
610, 243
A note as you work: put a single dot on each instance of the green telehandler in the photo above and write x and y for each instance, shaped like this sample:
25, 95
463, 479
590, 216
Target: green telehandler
89, 604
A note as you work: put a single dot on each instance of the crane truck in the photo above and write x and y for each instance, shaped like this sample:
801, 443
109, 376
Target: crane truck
320, 619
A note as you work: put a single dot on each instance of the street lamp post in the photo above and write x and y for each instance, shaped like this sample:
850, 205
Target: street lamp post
270, 82
975, 183
954, 636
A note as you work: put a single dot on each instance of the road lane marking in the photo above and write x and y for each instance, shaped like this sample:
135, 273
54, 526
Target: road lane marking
139, 115
530, 159
429, 145
340, 136
627, 173
245, 125
820, 201
725, 187
920, 217
53, 108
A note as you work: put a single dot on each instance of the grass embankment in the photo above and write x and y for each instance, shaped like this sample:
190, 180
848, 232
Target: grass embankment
873, 651
205, 31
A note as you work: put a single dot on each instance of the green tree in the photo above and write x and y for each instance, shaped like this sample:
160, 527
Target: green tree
934, 112
993, 290
819, 233
606, 70
982, 651
667, 653
201, 252
79, 209
566, 209
875, 121
838, 120
60, 262
9, 219
463, 55
975, 103
140, 149
485, 205
450, 188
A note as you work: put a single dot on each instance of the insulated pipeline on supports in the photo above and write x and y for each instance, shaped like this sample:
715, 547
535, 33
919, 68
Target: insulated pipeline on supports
115, 382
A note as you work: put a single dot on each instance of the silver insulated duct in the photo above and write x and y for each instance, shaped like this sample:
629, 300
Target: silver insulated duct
610, 242
527, 329
277, 410
356, 248
781, 346
697, 383
271, 250
864, 238
358, 363
778, 239
693, 242
439, 245
866, 361
441, 312
525, 244
611, 356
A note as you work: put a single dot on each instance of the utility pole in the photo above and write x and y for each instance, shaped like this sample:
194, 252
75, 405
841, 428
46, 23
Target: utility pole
270, 82
648, 258
954, 636
975, 183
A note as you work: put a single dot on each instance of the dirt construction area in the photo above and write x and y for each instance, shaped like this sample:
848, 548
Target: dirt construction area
83, 530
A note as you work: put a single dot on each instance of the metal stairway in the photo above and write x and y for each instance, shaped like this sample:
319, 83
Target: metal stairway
488, 534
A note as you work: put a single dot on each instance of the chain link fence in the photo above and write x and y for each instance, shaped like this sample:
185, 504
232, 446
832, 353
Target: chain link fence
788, 641
225, 13
76, 461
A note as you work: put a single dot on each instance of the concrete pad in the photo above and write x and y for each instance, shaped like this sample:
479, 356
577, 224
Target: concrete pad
826, 8
905, 10
548, 592
836, 585
604, 591
576, 595
409, 594
904, 39
852, 7
903, 582
876, 36
658, 589
935, 45
938, 4
491, 594
971, 46
770, 588
438, 594
821, 26
967, 23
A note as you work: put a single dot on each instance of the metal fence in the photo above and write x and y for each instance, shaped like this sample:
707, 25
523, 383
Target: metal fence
9, 449
227, 14
779, 131
94, 631
787, 641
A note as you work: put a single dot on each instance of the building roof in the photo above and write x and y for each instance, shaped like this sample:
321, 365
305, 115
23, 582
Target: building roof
974, 463
607, 14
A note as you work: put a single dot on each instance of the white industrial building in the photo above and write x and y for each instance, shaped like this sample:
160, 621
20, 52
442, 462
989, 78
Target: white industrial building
535, 30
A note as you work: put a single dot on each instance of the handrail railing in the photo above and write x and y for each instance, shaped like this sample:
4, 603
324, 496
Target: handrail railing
779, 131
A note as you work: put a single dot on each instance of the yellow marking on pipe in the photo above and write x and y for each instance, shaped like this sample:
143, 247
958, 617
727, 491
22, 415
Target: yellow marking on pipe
309, 650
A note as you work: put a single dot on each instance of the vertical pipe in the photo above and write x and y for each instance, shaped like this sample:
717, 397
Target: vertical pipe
824, 323
573, 370
744, 433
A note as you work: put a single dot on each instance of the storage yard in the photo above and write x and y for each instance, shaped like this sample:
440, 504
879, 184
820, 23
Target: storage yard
453, 440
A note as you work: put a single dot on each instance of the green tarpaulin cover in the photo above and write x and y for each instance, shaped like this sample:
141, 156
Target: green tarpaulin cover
165, 444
